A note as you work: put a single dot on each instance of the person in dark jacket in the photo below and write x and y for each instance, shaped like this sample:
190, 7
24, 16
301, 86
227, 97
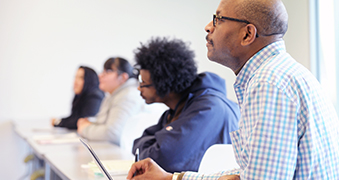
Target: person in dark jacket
87, 99
199, 113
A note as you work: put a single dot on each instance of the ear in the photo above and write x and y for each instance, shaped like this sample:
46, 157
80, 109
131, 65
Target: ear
123, 77
249, 34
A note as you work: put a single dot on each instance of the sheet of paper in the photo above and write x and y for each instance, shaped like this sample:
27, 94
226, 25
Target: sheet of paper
57, 138
114, 167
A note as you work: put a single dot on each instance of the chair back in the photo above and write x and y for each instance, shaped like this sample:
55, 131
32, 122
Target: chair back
218, 157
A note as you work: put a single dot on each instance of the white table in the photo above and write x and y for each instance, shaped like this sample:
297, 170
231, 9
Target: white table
67, 165
65, 160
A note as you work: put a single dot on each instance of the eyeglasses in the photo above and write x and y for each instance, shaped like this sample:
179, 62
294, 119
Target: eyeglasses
217, 17
107, 71
140, 83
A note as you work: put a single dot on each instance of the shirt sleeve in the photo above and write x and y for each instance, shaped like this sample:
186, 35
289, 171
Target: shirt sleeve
198, 176
268, 133
89, 107
120, 111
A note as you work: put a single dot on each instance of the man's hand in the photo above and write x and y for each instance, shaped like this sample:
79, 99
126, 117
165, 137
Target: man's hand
148, 169
230, 177
82, 124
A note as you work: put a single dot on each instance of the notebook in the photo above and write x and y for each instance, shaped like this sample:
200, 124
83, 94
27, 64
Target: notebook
97, 160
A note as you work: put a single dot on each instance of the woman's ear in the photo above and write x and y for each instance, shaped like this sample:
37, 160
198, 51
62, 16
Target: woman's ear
249, 34
123, 77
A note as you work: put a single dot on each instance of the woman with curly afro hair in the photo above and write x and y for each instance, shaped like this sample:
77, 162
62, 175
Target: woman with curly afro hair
199, 113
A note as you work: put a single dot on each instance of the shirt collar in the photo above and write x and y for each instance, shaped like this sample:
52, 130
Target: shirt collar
253, 64
257, 60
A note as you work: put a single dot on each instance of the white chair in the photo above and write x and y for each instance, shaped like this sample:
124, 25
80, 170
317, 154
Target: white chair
136, 125
218, 157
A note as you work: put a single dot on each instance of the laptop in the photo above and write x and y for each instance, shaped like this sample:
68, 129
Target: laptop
96, 159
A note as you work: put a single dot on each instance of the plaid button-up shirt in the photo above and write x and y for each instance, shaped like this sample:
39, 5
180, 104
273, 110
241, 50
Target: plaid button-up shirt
288, 128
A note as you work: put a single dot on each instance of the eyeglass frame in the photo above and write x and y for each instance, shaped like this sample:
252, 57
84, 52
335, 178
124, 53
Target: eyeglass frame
143, 86
218, 17
215, 16
108, 71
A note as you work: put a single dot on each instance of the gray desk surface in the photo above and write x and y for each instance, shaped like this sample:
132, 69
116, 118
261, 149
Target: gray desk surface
66, 159
27, 133
68, 163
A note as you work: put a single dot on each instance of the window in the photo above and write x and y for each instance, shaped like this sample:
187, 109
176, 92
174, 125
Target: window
325, 46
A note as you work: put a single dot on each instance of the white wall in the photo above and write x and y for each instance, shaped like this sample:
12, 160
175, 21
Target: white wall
43, 42
297, 38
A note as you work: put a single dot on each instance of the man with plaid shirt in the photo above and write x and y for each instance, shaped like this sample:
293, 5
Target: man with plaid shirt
288, 129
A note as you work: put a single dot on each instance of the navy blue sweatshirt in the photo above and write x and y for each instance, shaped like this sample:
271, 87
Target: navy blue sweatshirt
207, 118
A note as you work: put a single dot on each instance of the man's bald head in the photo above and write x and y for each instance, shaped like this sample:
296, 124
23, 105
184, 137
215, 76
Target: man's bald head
269, 16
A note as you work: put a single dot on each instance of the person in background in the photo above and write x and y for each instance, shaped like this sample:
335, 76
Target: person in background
288, 127
122, 101
87, 99
199, 113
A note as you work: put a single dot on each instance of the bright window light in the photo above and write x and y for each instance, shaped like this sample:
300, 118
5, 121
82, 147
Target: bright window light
327, 74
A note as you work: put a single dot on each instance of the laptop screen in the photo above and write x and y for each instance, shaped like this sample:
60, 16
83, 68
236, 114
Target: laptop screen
96, 159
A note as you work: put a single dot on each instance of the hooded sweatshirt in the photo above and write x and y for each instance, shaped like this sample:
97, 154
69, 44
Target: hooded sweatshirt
207, 118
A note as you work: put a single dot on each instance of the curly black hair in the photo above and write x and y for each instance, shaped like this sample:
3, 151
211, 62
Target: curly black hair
170, 63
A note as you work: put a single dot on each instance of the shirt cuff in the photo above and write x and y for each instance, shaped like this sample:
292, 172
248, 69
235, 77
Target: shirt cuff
199, 176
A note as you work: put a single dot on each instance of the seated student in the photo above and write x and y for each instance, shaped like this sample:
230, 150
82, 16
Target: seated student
199, 113
87, 99
122, 102
288, 127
